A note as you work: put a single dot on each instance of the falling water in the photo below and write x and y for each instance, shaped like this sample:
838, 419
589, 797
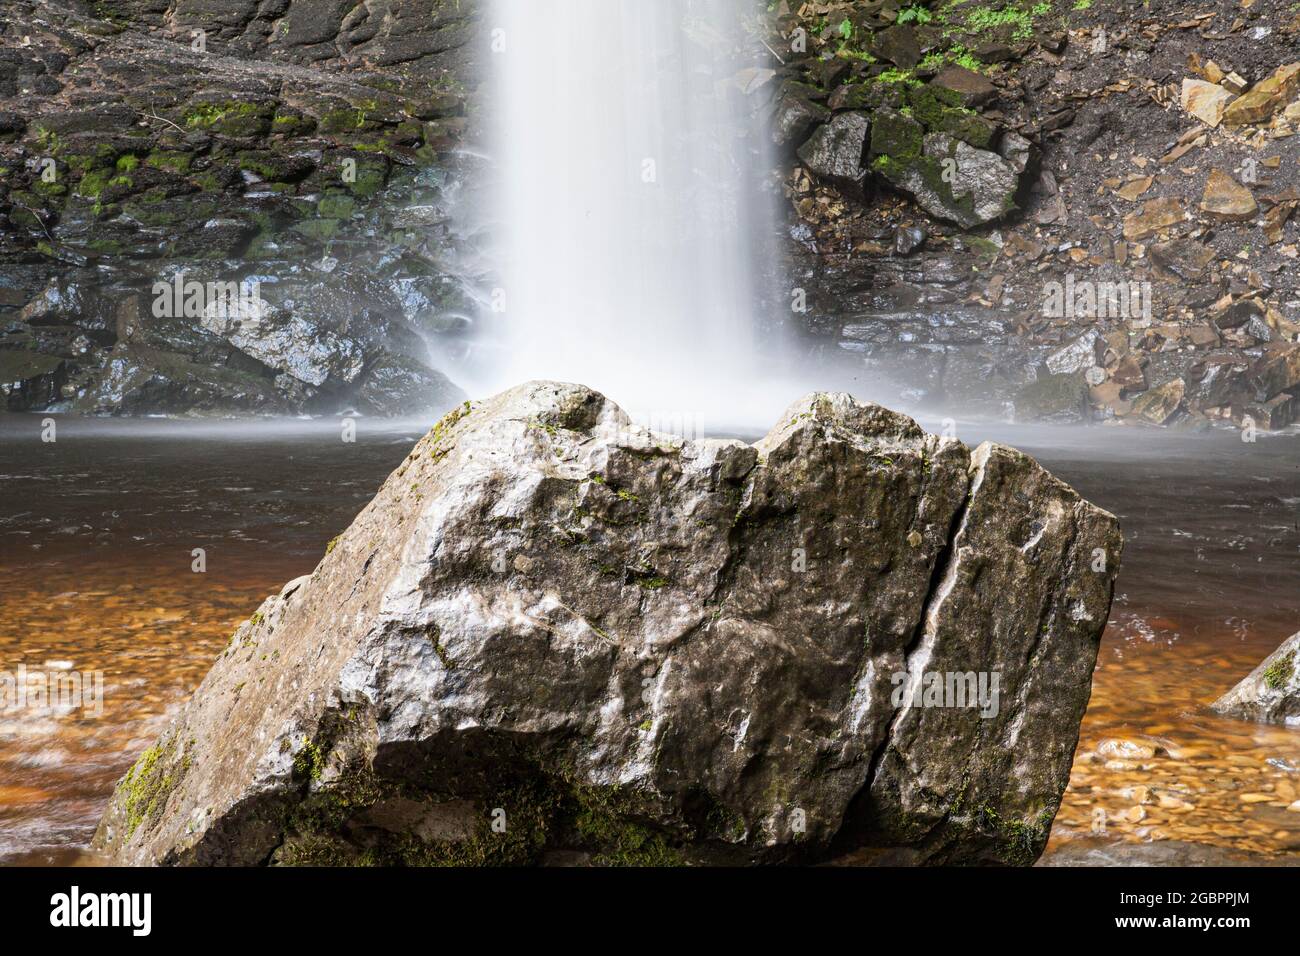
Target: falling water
626, 205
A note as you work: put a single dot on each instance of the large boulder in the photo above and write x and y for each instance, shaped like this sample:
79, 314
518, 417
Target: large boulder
1271, 692
947, 176
554, 636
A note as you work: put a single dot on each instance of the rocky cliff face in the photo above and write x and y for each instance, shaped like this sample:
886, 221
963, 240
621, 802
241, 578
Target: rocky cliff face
1048, 211
302, 151
1271, 692
554, 636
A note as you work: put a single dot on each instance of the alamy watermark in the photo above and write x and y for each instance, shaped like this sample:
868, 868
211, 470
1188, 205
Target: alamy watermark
964, 690
226, 304
1072, 299
674, 423
74, 908
51, 690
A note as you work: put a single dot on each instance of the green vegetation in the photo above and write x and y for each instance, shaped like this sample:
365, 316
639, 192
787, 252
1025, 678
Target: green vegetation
435, 638
104, 10
514, 821
350, 119
1279, 673
148, 784
292, 124
232, 118
985, 18
941, 110
335, 205
901, 77
1019, 842
603, 821
955, 54
371, 175
172, 162
1017, 18
49, 141
846, 32
309, 762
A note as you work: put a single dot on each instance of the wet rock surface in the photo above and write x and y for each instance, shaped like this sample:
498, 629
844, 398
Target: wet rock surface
279, 147
554, 637
1271, 692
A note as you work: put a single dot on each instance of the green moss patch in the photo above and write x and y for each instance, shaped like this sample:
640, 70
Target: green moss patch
147, 785
232, 118
1278, 674
940, 110
173, 162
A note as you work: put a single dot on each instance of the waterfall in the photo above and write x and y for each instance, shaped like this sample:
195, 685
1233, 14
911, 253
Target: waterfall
626, 210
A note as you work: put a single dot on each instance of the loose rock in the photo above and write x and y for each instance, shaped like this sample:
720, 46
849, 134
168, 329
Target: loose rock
1205, 101
1225, 198
1271, 692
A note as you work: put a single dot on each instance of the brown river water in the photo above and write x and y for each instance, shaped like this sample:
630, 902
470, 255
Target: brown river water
97, 532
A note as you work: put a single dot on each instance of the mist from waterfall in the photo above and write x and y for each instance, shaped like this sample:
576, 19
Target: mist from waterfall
626, 212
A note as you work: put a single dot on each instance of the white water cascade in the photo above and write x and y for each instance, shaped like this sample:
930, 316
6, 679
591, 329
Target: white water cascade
625, 230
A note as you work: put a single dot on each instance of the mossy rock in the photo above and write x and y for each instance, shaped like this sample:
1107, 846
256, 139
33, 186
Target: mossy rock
1278, 674
275, 167
153, 209
25, 206
946, 176
103, 156
940, 110
292, 124
172, 161
147, 785
349, 121
17, 365
897, 136
317, 228
335, 205
557, 754
50, 191
869, 96
105, 186
232, 118
369, 176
